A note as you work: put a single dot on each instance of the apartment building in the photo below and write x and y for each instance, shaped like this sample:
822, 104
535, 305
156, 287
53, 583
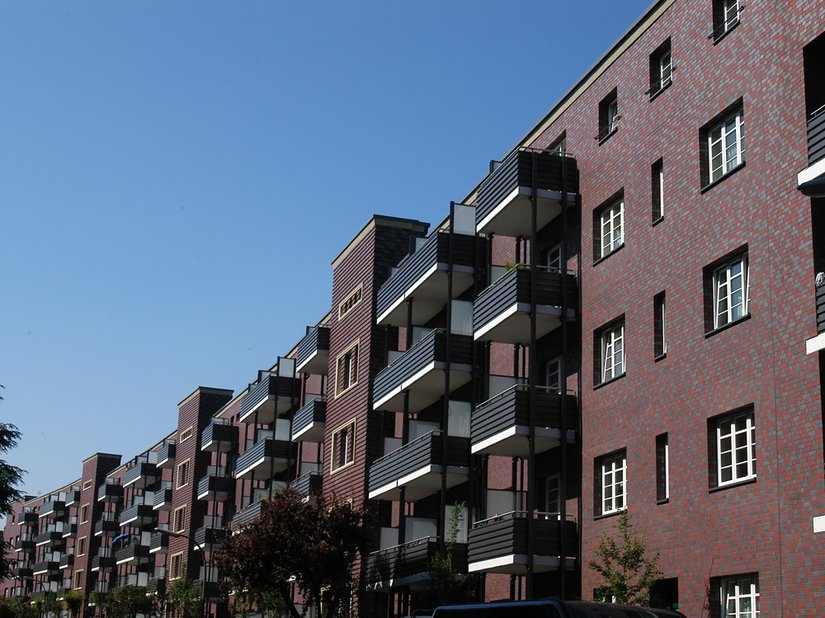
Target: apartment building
624, 314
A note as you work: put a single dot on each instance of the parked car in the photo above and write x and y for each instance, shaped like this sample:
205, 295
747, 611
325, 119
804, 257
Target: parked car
551, 608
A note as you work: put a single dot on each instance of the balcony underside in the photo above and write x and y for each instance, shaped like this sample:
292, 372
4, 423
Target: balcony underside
815, 344
316, 363
512, 215
513, 324
516, 564
420, 483
313, 432
267, 410
425, 387
428, 294
515, 441
263, 468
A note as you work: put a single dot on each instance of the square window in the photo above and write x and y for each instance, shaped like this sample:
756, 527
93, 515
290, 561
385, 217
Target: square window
609, 342
738, 596
725, 17
723, 144
657, 189
343, 446
346, 372
659, 325
611, 483
727, 291
661, 69
179, 519
608, 228
662, 469
732, 448
182, 474
608, 116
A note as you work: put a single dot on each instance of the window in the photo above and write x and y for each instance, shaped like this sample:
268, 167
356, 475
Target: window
179, 519
659, 326
84, 513
182, 474
81, 546
176, 566
87, 484
78, 579
732, 448
609, 342
559, 145
608, 115
662, 469
554, 259
553, 374
608, 228
346, 374
726, 291
185, 434
611, 483
738, 596
552, 491
724, 145
343, 446
350, 301
661, 69
657, 189
725, 17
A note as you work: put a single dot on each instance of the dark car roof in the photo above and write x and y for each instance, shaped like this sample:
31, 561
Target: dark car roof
549, 608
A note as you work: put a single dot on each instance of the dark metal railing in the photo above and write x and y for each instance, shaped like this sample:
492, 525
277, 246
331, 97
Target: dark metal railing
816, 136
507, 534
313, 412
393, 564
316, 340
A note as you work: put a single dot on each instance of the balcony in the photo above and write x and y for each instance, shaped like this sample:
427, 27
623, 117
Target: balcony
500, 545
103, 561
110, 492
163, 498
407, 564
66, 561
24, 543
166, 454
216, 485
269, 397
814, 344
27, 518
422, 278
49, 537
47, 567
502, 312
53, 509
156, 586
264, 459
142, 474
209, 536
134, 553
417, 467
503, 204
420, 370
22, 571
219, 436
811, 180
211, 589
313, 351
107, 525
70, 529
72, 497
247, 515
309, 484
159, 543
501, 425
308, 422
138, 515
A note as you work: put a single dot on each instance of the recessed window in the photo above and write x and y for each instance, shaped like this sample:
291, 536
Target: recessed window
727, 291
559, 145
609, 342
84, 513
661, 69
725, 17
662, 468
176, 566
78, 579
81, 546
608, 228
608, 116
87, 484
723, 145
179, 519
738, 596
552, 493
343, 446
732, 448
185, 434
553, 374
182, 474
350, 301
611, 483
346, 370
554, 259
657, 189
659, 325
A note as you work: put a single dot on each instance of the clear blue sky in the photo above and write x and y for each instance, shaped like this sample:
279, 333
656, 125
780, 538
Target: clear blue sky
176, 177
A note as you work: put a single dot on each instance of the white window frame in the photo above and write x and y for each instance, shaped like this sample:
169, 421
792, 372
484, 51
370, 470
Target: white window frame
726, 145
613, 473
661, 172
731, 283
661, 309
346, 369
612, 113
730, 15
612, 355
347, 447
552, 487
553, 367
665, 69
611, 228
730, 455
554, 258
739, 597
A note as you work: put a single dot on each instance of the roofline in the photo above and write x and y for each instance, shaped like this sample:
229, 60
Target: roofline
383, 220
112, 455
205, 389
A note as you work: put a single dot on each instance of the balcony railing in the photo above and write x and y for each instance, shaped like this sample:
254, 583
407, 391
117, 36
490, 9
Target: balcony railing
264, 459
138, 515
166, 454
72, 497
46, 567
219, 436
309, 484
50, 537
66, 561
103, 562
216, 486
420, 370
24, 543
503, 204
163, 498
408, 563
422, 276
159, 543
141, 475
107, 525
53, 509
27, 518
209, 536
134, 552
269, 397
308, 422
820, 308
110, 492
313, 351
501, 425
502, 311
247, 515
156, 586
500, 544
816, 136
420, 462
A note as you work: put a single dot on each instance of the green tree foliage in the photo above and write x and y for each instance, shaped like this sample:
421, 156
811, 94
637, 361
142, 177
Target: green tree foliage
10, 477
129, 601
73, 600
313, 543
627, 573
184, 598
18, 607
50, 605
447, 584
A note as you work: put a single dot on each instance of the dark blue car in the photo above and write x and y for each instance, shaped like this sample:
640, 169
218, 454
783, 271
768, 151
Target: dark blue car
551, 608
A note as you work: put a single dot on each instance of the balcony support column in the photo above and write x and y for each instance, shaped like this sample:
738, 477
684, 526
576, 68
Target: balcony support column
565, 301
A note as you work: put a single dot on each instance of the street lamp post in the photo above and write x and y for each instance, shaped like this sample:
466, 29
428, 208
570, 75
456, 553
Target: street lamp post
206, 561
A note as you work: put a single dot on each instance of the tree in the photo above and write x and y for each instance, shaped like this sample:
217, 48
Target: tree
129, 601
73, 600
184, 598
313, 543
10, 477
19, 607
449, 586
627, 572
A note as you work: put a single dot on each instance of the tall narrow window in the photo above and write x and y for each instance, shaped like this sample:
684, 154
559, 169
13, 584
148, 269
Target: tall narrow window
179, 519
611, 483
725, 17
553, 375
724, 148
657, 189
608, 228
182, 474
732, 446
343, 446
610, 345
554, 258
346, 375
662, 469
608, 115
659, 325
727, 290
552, 495
661, 69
